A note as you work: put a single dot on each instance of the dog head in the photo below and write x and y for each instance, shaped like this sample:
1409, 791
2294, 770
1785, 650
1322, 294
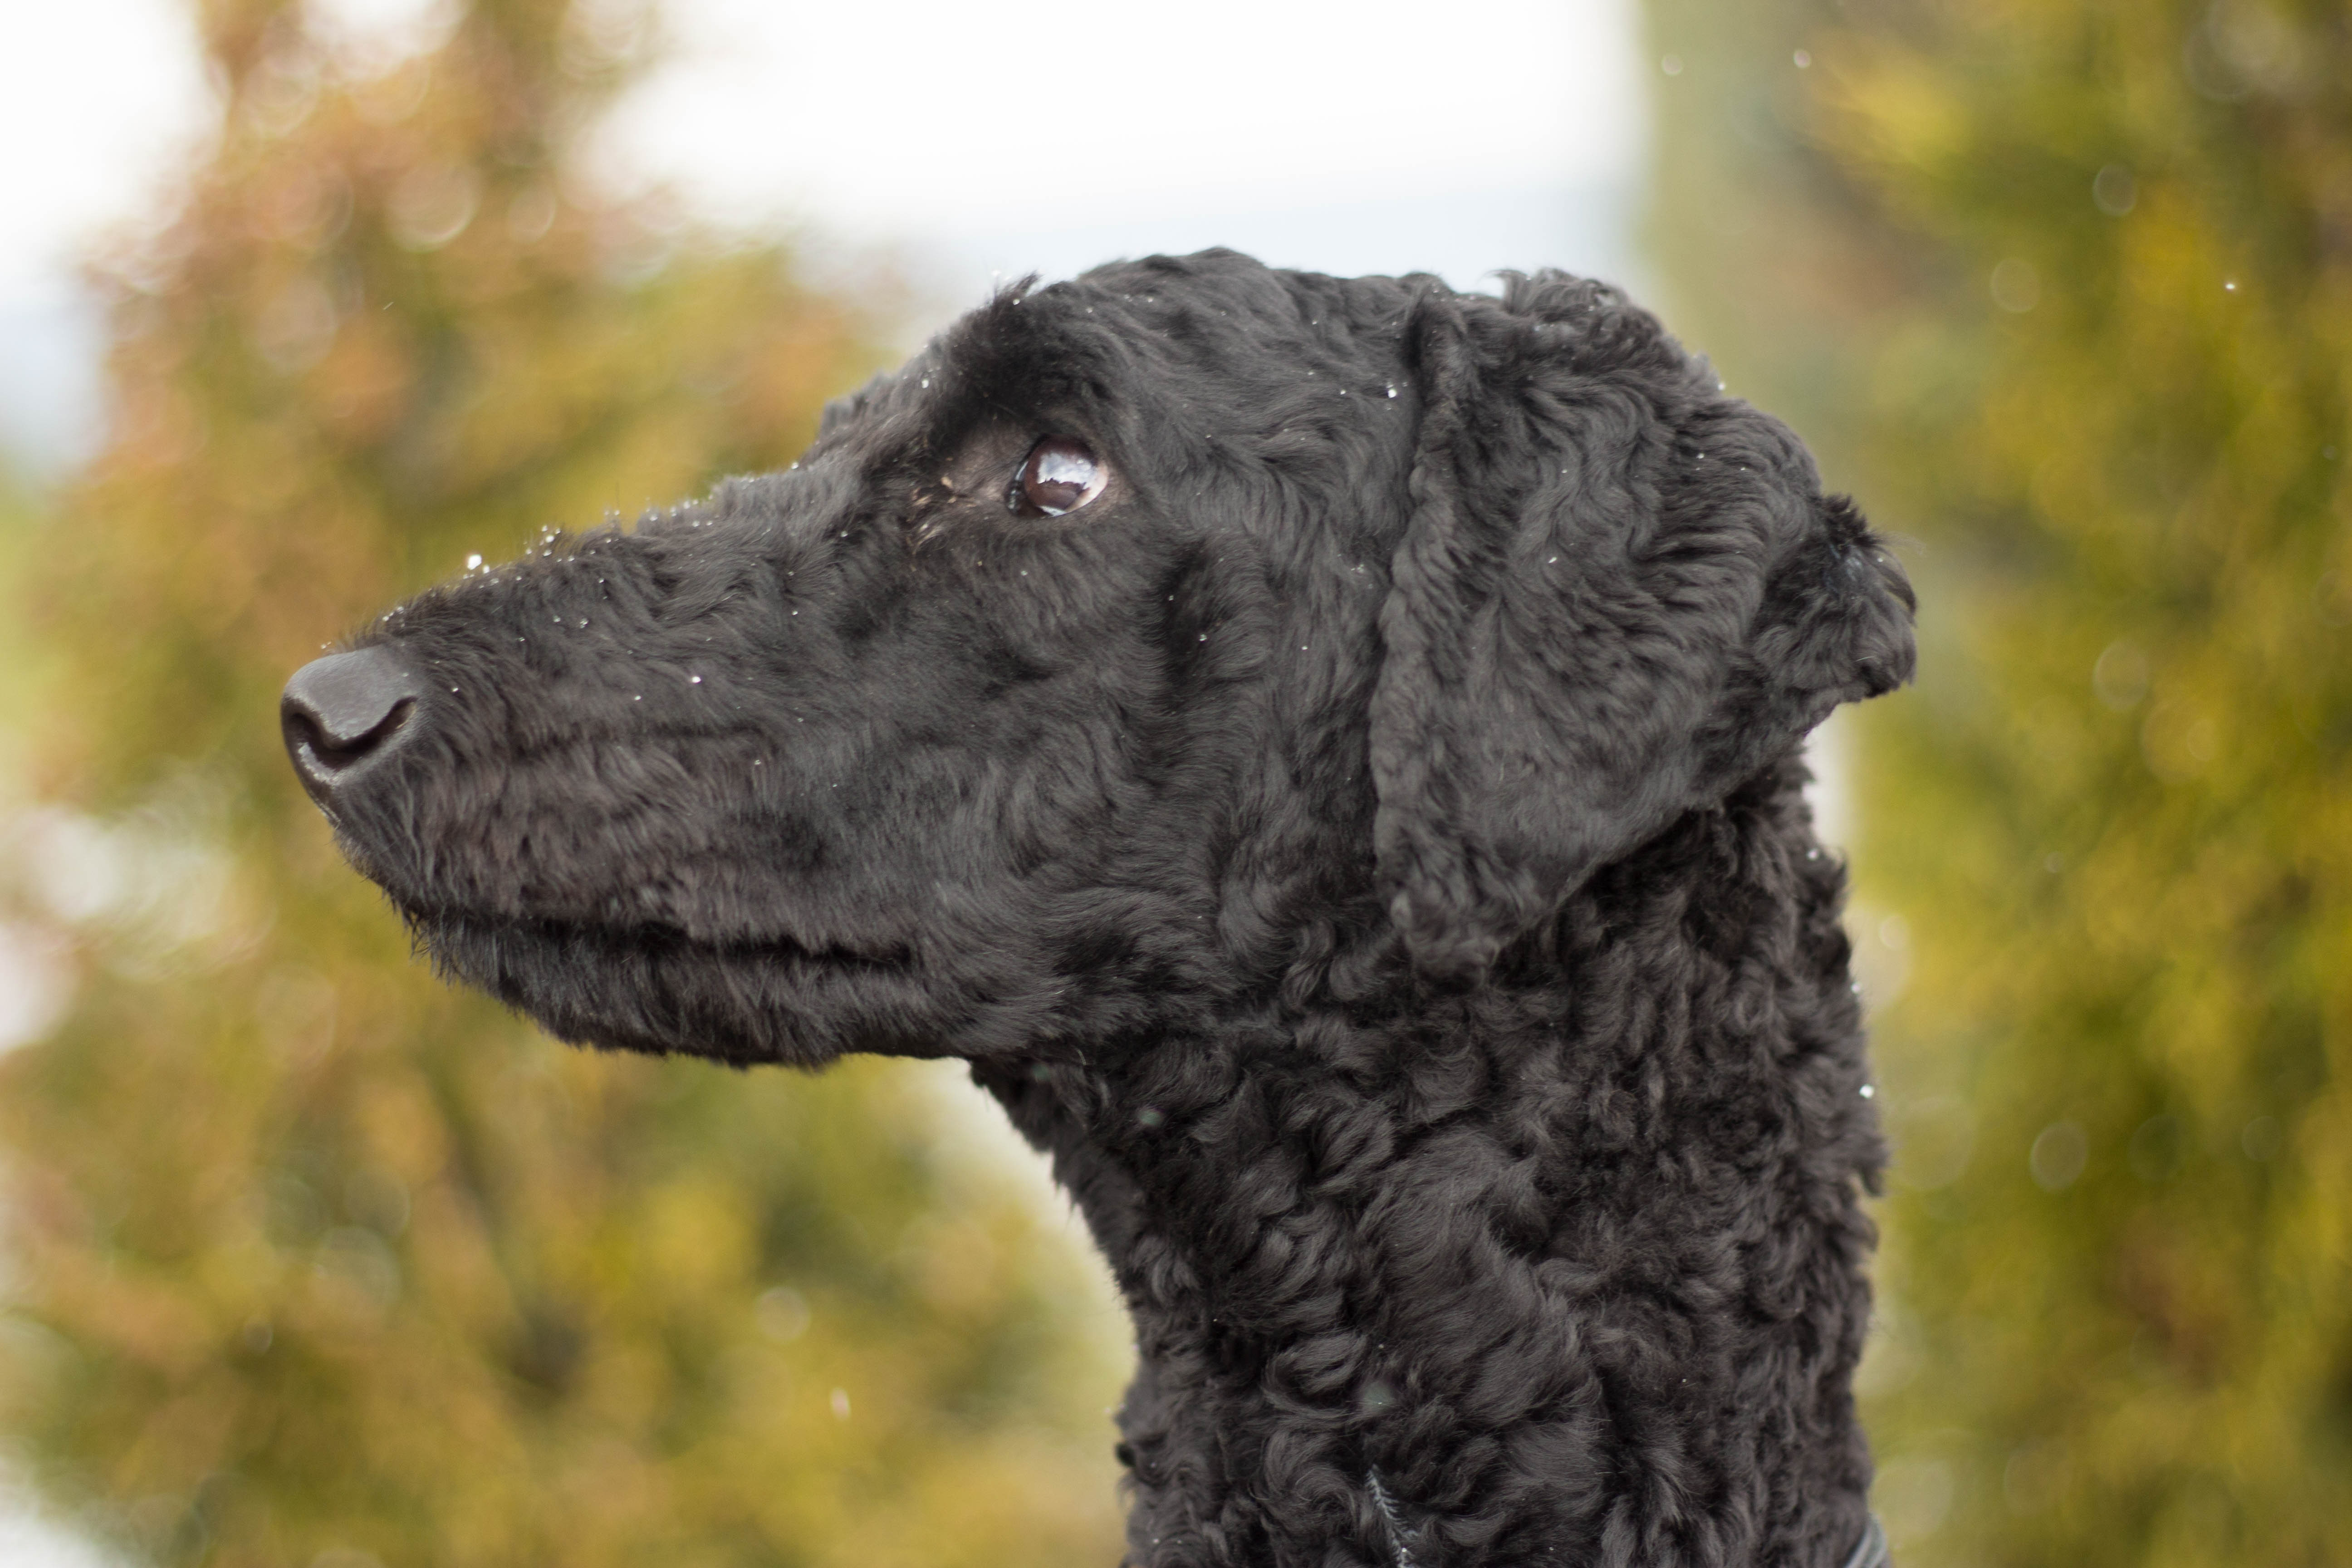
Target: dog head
1147, 645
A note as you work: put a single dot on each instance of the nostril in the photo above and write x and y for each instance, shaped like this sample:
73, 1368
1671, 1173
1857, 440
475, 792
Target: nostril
307, 728
341, 710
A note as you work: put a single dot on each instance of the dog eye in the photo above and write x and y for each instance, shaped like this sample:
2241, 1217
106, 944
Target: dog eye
1059, 475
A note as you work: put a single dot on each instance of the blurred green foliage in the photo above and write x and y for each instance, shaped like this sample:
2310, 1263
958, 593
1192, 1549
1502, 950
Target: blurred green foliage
2064, 292
315, 1261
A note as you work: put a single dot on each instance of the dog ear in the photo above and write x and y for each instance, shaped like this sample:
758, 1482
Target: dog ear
1619, 593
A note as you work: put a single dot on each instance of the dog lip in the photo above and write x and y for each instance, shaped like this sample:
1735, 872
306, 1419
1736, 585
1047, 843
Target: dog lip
458, 924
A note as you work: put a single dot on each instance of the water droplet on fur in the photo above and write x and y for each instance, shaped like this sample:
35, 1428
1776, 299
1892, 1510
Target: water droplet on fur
1149, 1116
472, 562
1392, 389
694, 680
1870, 1091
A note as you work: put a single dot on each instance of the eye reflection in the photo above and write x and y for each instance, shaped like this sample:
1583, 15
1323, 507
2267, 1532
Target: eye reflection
1060, 475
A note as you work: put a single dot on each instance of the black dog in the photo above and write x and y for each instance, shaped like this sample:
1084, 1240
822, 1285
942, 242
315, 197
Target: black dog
1325, 751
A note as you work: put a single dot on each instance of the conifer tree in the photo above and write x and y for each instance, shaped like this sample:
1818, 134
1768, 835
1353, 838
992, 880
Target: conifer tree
314, 1260
2064, 291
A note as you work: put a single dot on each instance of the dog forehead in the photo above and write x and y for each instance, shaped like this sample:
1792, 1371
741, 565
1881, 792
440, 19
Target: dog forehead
1171, 331
1131, 353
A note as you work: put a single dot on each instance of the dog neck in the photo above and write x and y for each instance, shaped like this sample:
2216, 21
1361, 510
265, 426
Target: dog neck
1566, 1267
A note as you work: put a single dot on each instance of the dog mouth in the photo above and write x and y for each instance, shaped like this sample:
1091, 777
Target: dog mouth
655, 988
450, 929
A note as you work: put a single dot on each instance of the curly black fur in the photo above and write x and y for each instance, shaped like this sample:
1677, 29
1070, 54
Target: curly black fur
1364, 848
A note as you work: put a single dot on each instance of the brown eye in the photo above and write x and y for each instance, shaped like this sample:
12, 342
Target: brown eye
1059, 475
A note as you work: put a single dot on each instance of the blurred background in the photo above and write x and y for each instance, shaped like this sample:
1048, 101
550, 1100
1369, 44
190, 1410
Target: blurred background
312, 1261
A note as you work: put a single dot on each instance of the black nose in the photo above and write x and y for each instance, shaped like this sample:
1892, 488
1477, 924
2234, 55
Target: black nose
344, 711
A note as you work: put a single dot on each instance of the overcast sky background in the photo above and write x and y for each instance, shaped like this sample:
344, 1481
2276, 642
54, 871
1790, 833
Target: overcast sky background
971, 142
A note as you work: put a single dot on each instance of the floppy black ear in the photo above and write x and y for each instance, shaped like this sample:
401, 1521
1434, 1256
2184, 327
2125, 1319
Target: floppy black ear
1619, 594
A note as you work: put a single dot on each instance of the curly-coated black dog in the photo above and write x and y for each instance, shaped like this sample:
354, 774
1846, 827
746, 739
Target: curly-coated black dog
1326, 751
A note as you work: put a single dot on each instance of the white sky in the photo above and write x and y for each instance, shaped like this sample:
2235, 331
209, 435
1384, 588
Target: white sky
1068, 112
95, 97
